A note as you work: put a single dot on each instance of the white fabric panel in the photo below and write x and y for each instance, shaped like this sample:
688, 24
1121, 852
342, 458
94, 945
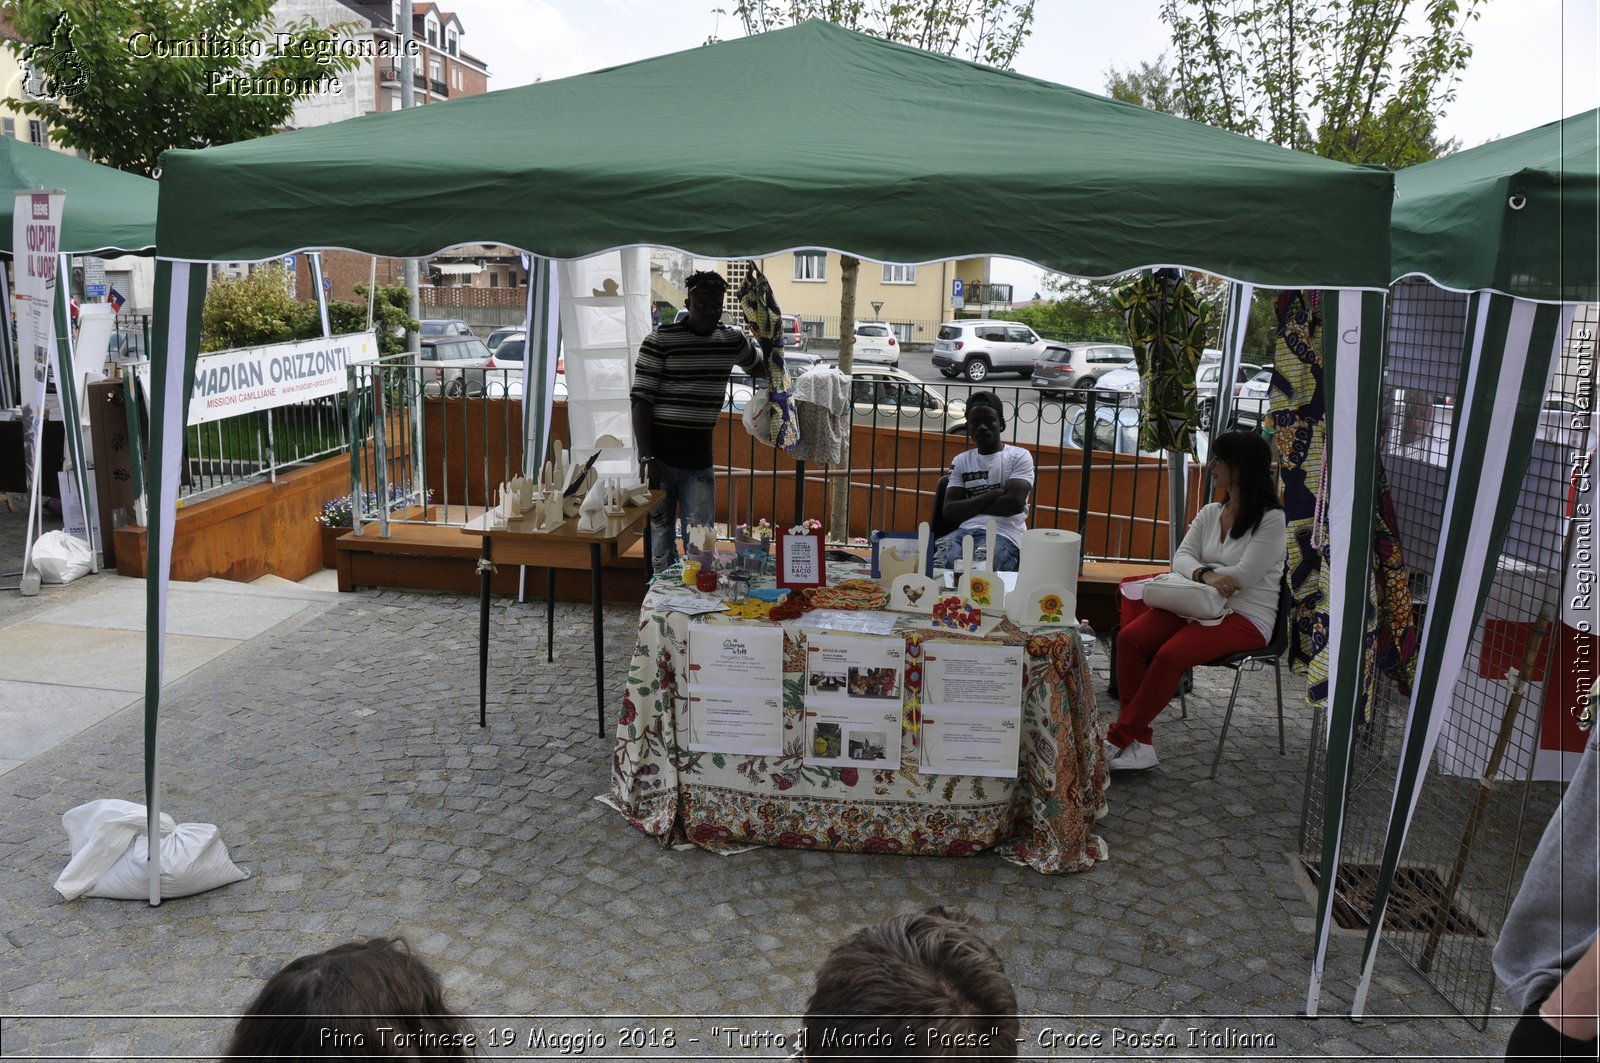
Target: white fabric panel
605, 315
589, 419
603, 373
597, 323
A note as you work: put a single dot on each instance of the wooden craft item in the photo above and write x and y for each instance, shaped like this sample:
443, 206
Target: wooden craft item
914, 592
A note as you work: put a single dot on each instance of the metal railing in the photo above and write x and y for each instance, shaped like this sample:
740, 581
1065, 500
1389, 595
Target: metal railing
422, 433
223, 454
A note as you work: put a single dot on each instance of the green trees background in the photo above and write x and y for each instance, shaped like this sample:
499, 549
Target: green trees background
257, 309
124, 106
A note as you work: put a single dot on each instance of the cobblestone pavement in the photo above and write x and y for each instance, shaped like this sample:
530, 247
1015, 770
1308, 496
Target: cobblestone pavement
339, 753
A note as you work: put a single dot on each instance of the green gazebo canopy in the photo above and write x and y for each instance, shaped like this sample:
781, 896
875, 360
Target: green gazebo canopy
1516, 215
811, 133
107, 211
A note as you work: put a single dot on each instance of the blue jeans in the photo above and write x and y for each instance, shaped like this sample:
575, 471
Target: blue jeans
691, 499
947, 551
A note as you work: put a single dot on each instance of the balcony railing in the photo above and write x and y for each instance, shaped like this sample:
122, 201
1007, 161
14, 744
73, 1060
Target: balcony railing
988, 294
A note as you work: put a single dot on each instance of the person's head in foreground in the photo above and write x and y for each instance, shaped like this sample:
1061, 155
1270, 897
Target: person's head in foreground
919, 985
371, 998
986, 419
1242, 464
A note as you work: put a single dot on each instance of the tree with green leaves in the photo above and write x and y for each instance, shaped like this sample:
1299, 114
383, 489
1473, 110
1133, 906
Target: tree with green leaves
1360, 81
1150, 85
124, 80
985, 31
257, 309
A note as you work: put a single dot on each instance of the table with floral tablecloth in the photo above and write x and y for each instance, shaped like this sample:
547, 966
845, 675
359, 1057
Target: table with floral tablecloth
725, 802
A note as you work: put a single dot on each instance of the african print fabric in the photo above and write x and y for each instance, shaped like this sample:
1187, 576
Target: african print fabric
1167, 330
760, 308
1299, 417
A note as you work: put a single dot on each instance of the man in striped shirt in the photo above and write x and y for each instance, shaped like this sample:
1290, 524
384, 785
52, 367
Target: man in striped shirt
680, 381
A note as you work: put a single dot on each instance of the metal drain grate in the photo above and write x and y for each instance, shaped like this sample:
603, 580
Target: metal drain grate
1415, 901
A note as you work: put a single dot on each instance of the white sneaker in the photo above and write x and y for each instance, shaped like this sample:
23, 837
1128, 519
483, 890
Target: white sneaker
1135, 756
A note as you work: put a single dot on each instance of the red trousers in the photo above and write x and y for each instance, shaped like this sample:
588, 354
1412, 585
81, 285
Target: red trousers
1154, 651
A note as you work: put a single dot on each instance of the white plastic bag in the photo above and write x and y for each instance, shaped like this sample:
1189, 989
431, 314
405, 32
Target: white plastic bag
110, 854
757, 415
60, 558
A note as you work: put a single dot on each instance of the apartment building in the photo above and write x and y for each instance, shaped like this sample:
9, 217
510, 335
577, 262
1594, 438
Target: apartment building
912, 299
13, 123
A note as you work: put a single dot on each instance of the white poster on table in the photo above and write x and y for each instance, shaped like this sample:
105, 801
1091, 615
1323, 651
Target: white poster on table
854, 691
960, 740
735, 689
971, 708
978, 674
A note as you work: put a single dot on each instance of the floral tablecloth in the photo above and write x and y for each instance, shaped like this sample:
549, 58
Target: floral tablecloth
727, 802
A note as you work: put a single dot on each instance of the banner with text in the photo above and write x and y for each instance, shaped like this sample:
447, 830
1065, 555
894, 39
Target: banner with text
35, 233
261, 378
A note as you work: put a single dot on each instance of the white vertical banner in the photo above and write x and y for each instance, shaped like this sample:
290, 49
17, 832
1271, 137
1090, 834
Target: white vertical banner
35, 237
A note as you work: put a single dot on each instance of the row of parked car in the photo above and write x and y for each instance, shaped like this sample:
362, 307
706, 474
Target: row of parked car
977, 348
458, 363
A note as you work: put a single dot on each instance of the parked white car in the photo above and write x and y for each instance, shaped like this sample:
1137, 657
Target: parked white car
1251, 404
891, 398
503, 373
876, 345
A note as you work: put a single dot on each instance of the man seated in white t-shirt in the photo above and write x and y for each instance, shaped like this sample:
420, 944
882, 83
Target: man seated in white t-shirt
990, 480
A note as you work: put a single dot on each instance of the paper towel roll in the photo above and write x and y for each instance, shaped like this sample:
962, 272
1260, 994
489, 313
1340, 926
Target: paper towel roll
1049, 559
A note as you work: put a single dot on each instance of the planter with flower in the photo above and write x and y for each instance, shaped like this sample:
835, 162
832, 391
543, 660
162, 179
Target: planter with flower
338, 516
752, 545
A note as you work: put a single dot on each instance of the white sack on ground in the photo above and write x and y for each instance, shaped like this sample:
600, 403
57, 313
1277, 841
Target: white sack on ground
110, 854
60, 558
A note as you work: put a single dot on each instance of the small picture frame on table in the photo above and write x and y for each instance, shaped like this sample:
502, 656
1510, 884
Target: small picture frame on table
899, 549
801, 561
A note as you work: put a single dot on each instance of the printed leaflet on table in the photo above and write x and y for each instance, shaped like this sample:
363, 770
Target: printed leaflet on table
854, 689
736, 689
971, 708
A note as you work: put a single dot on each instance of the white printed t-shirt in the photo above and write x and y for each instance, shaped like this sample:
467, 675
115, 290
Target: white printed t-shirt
979, 474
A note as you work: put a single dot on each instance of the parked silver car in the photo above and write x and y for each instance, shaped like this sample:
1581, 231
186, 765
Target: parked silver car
445, 326
1115, 428
1077, 365
979, 347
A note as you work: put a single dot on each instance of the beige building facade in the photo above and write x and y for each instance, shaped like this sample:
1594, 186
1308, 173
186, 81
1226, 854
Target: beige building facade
913, 300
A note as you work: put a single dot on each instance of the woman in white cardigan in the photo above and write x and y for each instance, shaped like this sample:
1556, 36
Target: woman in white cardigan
1236, 546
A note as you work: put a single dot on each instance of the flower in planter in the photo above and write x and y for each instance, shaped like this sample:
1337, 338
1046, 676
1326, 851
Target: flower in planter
339, 512
761, 530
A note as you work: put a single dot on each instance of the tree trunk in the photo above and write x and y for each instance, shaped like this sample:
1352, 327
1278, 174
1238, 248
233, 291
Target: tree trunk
839, 486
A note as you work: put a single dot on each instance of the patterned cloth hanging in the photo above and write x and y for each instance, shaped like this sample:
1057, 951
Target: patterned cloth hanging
1299, 415
761, 313
1167, 329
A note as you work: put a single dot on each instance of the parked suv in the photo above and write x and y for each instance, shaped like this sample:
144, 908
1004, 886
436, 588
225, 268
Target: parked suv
979, 347
453, 365
1077, 365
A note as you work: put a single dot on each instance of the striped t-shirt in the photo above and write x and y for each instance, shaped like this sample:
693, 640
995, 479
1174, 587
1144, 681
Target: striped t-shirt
684, 376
